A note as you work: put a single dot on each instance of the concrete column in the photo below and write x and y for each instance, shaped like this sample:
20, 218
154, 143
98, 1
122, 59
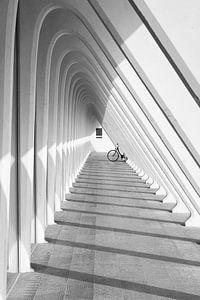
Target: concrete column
41, 123
13, 214
59, 196
27, 88
8, 11
52, 143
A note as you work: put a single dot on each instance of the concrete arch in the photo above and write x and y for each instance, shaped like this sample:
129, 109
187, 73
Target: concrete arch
42, 193
80, 67
170, 199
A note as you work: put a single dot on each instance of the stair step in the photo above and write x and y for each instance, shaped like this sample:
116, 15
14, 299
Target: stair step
110, 171
134, 232
167, 231
115, 188
123, 218
133, 195
82, 266
106, 182
121, 210
110, 178
94, 260
53, 284
155, 241
121, 202
114, 237
110, 174
42, 252
106, 162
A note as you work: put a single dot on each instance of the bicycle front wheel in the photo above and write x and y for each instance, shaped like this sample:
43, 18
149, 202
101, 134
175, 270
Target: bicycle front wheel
112, 155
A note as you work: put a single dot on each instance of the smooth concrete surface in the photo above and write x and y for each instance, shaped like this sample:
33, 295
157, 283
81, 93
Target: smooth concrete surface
114, 248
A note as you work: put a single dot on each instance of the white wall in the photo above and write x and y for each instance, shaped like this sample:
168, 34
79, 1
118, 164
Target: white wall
103, 144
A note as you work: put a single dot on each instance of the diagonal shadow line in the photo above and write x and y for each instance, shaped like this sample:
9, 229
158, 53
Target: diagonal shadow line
123, 216
124, 252
113, 282
121, 205
128, 231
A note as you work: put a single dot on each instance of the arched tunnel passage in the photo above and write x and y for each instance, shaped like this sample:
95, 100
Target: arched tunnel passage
69, 67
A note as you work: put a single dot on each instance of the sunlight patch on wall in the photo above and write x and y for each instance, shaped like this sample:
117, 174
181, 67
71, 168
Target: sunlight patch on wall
4, 180
132, 41
27, 160
51, 152
77, 143
42, 155
59, 150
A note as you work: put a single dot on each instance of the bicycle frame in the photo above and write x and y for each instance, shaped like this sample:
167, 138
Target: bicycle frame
117, 149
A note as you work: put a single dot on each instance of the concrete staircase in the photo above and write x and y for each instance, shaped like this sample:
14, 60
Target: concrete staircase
114, 239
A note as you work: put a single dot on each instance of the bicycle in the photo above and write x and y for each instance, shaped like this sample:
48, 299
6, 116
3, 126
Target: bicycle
113, 155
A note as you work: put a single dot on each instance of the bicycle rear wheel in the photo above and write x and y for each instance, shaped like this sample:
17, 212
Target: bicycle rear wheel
112, 155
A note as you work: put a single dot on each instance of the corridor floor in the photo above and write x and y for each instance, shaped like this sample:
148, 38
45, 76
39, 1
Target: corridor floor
114, 239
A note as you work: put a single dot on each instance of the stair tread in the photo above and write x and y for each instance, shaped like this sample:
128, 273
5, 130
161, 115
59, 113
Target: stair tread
106, 182
138, 195
109, 171
109, 178
163, 231
91, 262
129, 246
123, 202
128, 220
152, 244
110, 208
110, 174
114, 187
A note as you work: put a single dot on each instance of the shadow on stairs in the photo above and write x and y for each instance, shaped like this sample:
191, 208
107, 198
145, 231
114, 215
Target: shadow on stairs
114, 239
